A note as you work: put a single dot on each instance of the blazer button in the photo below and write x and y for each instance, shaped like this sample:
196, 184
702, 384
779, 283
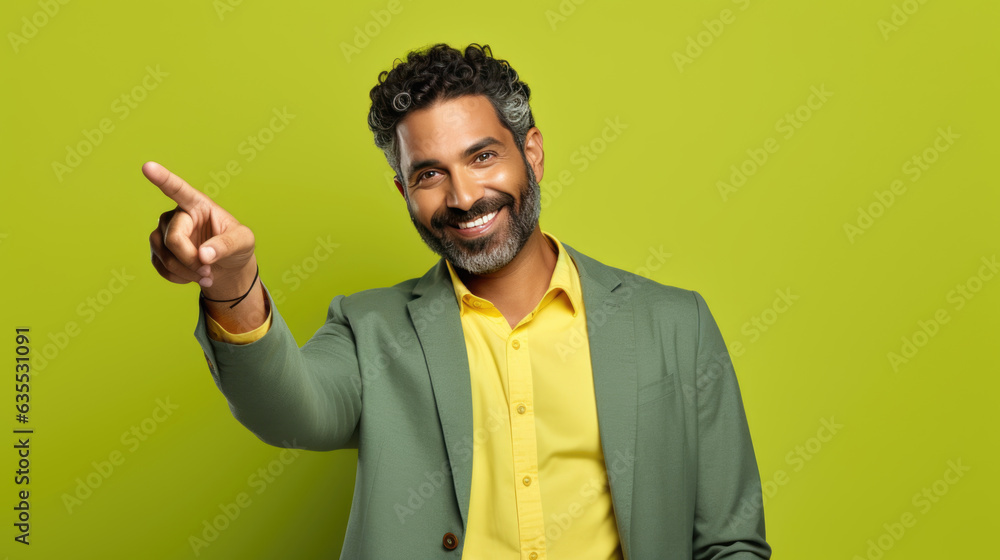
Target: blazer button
450, 541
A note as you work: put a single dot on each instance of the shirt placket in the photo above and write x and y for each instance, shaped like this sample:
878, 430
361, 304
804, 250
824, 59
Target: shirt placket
530, 520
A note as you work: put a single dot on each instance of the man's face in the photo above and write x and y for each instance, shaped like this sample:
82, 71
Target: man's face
471, 193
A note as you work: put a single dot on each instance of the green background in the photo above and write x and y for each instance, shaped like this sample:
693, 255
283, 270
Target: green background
649, 188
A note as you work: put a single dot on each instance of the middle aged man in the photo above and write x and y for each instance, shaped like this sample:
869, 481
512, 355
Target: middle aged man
520, 400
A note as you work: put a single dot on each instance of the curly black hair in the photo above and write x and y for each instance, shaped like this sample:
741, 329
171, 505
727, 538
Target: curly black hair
441, 72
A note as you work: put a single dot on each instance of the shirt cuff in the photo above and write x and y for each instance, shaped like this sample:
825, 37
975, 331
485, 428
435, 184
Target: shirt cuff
216, 332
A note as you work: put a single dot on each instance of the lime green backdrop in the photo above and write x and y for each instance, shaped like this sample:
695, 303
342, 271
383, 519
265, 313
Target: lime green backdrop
823, 173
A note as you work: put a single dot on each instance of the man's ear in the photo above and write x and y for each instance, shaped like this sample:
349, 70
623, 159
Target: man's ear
399, 186
534, 152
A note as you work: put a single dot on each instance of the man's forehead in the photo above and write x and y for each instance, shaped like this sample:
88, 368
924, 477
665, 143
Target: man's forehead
447, 126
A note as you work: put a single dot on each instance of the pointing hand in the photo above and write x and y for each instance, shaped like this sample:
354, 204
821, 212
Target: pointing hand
198, 241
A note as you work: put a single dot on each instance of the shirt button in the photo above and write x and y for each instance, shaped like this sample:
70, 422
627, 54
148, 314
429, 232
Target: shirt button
527, 481
521, 409
515, 344
533, 556
477, 304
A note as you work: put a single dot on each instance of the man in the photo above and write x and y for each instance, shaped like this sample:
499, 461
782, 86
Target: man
520, 400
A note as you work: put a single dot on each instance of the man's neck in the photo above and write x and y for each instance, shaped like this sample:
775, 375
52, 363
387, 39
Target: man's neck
518, 287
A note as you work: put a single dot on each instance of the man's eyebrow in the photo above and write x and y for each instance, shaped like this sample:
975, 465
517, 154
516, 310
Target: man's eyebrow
482, 143
418, 165
479, 145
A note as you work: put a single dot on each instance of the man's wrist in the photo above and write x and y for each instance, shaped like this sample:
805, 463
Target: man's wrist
235, 301
231, 287
249, 313
247, 316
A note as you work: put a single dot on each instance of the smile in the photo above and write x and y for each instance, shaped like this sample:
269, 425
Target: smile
479, 221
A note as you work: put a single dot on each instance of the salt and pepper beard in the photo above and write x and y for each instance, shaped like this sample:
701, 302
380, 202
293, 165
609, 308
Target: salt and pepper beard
486, 254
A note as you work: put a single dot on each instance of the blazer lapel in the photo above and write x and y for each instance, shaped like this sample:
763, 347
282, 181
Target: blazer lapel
434, 312
611, 331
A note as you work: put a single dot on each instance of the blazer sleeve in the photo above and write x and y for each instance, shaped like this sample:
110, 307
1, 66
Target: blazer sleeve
729, 511
306, 398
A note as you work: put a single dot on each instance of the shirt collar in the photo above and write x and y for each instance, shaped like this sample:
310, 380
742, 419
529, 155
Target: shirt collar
565, 279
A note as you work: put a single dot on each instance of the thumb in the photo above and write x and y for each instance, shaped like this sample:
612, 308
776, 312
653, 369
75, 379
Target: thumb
207, 254
237, 242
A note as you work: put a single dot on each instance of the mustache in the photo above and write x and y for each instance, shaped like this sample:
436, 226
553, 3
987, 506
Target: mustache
451, 217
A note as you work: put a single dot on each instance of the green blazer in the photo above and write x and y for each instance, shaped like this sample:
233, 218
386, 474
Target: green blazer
388, 374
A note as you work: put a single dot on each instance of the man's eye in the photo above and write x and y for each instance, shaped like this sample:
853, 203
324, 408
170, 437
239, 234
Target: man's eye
427, 175
484, 156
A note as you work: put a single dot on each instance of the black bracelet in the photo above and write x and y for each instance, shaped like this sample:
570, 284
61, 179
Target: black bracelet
239, 299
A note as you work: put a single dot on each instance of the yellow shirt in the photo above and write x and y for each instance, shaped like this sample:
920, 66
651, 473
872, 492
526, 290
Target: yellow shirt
539, 485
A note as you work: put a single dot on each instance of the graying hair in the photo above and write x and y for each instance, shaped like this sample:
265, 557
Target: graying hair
443, 73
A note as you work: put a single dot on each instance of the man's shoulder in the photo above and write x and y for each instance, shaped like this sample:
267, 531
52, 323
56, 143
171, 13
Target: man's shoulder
382, 298
394, 299
632, 284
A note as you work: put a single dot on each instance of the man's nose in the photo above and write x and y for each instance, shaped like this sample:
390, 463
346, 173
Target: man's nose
465, 190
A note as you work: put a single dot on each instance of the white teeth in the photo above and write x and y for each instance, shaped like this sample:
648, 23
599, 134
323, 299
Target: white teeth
477, 222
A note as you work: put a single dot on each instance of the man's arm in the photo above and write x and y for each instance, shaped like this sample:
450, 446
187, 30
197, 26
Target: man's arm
308, 398
729, 512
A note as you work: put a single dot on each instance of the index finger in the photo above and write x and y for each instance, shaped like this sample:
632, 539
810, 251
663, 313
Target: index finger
186, 196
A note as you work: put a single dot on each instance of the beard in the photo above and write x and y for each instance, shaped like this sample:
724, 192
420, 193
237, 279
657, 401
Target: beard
488, 253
